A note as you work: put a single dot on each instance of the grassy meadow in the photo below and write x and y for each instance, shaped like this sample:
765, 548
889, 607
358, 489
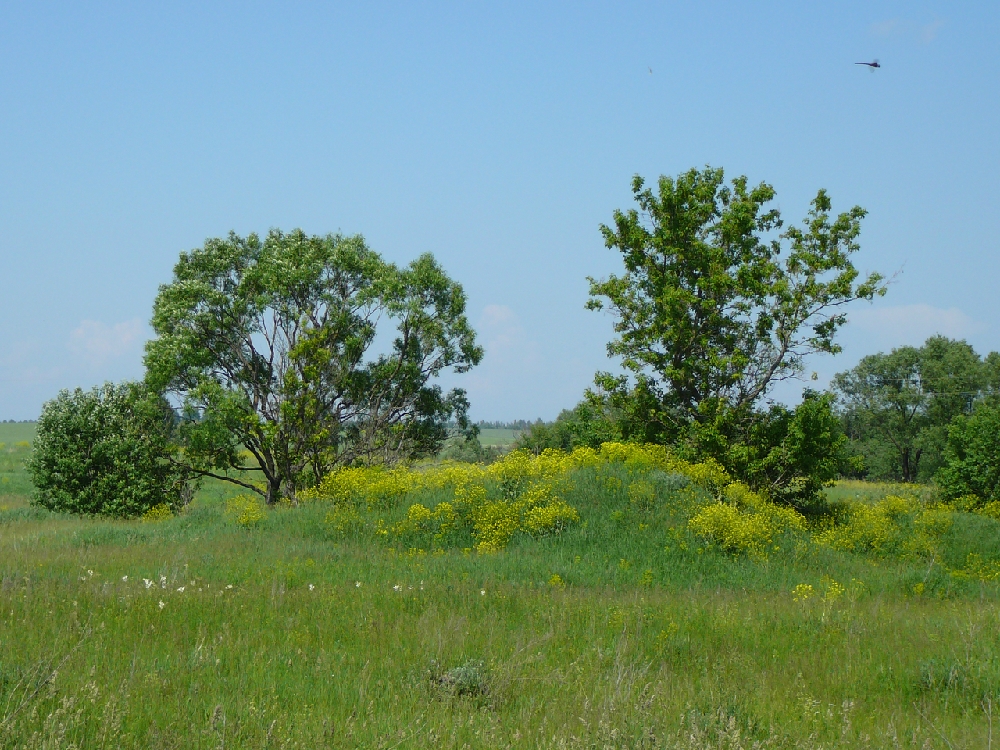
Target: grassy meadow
494, 437
15, 446
626, 630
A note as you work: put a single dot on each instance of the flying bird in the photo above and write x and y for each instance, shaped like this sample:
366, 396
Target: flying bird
873, 64
650, 70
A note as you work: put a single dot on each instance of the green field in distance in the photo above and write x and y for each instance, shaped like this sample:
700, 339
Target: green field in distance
489, 436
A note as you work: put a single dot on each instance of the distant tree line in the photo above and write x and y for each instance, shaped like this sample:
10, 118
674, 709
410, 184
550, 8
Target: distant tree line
518, 425
913, 414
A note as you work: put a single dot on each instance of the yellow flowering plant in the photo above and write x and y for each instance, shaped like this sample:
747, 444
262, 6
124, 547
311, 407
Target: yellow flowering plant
245, 510
893, 524
742, 521
457, 505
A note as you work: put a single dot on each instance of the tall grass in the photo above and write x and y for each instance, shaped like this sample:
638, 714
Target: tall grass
628, 629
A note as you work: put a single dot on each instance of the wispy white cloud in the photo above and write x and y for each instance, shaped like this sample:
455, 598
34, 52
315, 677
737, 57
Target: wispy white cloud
25, 362
510, 370
929, 31
534, 365
497, 315
98, 344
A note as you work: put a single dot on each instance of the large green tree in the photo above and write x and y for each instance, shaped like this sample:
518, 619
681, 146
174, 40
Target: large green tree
276, 352
897, 407
717, 303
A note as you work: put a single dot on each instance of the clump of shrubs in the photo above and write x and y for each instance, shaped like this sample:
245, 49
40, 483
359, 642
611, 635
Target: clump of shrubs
893, 525
470, 680
744, 522
106, 451
245, 510
971, 468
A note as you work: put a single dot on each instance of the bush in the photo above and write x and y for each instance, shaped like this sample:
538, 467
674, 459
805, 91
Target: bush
972, 457
745, 522
105, 451
469, 450
589, 424
787, 454
893, 525
245, 510
157, 513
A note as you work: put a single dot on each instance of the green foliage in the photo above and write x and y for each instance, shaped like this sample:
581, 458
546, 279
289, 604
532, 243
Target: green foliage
470, 680
468, 448
788, 454
714, 308
744, 522
896, 407
105, 451
588, 424
893, 525
711, 305
972, 456
265, 343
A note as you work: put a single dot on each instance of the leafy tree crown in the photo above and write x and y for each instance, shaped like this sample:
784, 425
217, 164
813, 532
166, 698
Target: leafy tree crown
715, 302
266, 343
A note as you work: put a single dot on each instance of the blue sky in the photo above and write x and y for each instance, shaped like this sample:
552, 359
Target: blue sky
498, 137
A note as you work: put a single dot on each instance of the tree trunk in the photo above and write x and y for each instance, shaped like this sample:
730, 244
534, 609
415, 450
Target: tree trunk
273, 490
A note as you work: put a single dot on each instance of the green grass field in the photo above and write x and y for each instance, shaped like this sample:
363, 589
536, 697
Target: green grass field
625, 631
497, 438
15, 432
15, 439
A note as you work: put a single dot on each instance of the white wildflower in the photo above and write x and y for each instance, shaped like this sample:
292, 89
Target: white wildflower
162, 605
